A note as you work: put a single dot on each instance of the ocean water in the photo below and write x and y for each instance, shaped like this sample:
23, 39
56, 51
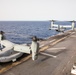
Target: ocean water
21, 31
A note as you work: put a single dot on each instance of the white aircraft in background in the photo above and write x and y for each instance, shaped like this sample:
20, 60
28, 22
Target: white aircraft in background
61, 28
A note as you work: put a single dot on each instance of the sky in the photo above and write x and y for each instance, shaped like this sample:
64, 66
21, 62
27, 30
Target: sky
37, 10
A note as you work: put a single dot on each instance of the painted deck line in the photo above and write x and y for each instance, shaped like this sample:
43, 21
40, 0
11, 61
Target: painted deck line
47, 42
61, 48
73, 36
58, 41
52, 40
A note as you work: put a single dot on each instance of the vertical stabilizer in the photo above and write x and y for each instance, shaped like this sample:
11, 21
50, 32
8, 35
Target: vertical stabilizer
52, 22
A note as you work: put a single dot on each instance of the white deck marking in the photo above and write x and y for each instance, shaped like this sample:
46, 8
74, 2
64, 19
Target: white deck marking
11, 73
57, 48
68, 62
73, 36
47, 42
52, 40
42, 45
73, 32
63, 69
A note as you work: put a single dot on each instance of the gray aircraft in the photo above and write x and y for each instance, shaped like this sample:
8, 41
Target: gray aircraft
10, 51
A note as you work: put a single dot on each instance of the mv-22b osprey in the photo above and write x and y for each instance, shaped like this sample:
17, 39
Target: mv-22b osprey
10, 51
61, 28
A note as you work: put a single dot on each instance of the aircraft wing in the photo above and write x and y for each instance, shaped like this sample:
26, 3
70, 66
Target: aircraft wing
54, 25
62, 26
65, 26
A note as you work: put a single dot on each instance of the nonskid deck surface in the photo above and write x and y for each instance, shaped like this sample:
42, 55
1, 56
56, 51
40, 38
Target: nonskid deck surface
46, 46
